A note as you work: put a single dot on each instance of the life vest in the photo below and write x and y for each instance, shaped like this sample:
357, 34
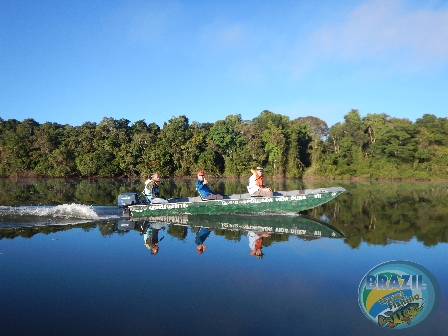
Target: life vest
259, 181
155, 189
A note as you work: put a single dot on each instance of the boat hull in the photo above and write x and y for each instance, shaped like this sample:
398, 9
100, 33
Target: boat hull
281, 202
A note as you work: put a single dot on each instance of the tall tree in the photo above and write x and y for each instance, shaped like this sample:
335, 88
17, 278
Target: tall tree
275, 146
172, 137
225, 136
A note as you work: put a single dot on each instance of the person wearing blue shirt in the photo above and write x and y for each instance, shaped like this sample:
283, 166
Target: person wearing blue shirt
204, 190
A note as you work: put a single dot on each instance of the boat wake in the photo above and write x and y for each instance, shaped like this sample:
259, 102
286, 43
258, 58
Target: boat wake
59, 214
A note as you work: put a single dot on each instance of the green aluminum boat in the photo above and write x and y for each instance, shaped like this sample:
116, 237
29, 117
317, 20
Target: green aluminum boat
280, 202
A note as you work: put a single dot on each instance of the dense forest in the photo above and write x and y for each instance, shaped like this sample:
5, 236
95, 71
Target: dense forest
374, 146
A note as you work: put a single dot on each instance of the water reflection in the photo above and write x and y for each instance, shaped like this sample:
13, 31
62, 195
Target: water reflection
260, 231
150, 232
382, 213
200, 237
256, 243
288, 224
379, 213
231, 227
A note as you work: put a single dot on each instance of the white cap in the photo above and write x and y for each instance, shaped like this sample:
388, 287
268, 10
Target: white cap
147, 181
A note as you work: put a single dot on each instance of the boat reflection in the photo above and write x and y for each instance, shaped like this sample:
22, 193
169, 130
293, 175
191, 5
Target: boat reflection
292, 224
270, 228
261, 231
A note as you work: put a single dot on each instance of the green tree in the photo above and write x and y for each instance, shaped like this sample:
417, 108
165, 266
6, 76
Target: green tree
17, 139
226, 138
253, 140
299, 148
319, 133
173, 136
275, 145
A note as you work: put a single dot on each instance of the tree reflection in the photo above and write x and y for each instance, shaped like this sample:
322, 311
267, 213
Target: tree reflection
178, 231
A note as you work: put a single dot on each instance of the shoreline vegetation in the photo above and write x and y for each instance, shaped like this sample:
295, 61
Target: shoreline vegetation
374, 147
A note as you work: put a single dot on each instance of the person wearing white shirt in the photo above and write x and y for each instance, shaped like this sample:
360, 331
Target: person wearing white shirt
256, 186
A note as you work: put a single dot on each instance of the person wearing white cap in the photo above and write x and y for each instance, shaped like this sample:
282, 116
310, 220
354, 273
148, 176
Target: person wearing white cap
256, 186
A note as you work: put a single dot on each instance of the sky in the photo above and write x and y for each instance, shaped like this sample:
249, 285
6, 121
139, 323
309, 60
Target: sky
70, 62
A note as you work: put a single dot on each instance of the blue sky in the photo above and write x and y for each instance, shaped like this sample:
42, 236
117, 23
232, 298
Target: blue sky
75, 61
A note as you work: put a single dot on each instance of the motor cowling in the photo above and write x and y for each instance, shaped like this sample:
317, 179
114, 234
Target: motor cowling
126, 199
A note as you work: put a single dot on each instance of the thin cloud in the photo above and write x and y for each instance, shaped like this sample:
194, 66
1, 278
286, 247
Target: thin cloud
234, 46
231, 35
142, 22
219, 36
381, 29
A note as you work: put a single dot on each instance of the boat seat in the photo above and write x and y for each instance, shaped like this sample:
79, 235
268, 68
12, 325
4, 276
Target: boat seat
289, 193
179, 200
237, 196
194, 199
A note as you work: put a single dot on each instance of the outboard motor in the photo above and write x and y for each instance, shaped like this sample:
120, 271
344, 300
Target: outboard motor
126, 199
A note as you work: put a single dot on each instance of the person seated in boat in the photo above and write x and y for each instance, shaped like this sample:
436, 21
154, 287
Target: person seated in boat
199, 239
204, 190
256, 243
152, 190
256, 186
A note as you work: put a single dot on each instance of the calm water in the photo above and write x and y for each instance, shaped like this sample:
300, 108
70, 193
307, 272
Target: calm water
69, 264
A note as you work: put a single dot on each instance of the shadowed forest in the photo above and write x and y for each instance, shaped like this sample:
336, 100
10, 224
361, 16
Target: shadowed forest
374, 146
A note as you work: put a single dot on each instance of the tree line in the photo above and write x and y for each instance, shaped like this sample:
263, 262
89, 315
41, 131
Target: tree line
375, 146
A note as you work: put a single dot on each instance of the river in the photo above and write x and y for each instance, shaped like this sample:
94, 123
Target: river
71, 264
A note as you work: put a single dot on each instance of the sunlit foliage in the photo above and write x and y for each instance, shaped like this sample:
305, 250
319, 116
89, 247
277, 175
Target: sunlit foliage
374, 146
